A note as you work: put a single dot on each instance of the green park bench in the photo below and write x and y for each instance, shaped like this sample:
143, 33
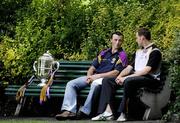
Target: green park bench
69, 70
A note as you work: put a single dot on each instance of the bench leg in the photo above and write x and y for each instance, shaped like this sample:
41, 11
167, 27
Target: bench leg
19, 106
152, 113
146, 114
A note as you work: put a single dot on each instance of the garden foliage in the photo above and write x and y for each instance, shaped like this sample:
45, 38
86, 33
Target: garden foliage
78, 29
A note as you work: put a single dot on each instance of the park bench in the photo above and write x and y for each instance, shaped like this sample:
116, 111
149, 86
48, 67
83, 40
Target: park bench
69, 70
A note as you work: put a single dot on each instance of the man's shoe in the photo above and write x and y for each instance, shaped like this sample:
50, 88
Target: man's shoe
102, 117
98, 117
65, 115
81, 115
109, 118
122, 117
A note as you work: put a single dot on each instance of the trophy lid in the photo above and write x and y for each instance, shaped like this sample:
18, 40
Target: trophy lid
47, 56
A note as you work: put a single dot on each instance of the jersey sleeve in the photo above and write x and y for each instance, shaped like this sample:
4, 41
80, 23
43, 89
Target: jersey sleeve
155, 58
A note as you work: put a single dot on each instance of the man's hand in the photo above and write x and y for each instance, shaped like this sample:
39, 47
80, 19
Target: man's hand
120, 80
90, 79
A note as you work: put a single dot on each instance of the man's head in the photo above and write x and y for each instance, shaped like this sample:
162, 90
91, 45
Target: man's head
116, 40
143, 35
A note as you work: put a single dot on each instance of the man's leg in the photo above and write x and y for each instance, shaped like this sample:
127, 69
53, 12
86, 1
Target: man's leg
107, 94
86, 109
69, 106
70, 96
131, 85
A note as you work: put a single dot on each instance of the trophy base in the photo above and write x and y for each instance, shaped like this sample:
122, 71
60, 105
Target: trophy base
41, 84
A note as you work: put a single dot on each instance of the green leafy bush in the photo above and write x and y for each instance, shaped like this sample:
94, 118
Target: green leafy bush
79, 29
173, 56
8, 10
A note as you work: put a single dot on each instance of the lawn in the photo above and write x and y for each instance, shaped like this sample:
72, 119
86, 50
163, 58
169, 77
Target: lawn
53, 120
41, 120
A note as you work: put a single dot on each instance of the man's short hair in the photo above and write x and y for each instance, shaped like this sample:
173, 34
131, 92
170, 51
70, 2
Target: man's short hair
117, 33
145, 32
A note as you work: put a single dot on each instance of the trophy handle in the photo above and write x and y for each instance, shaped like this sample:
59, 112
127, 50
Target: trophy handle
57, 66
34, 66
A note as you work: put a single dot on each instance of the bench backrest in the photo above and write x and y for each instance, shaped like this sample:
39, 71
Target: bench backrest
68, 70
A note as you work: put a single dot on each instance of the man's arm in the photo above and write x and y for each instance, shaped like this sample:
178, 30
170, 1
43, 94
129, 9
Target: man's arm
123, 73
91, 71
144, 71
112, 73
91, 77
126, 71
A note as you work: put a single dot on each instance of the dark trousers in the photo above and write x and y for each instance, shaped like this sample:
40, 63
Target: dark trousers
130, 85
108, 90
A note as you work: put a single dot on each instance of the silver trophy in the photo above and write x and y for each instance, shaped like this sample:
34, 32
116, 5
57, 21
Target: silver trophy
45, 67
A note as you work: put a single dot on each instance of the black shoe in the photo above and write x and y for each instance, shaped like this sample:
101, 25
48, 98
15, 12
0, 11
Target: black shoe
81, 116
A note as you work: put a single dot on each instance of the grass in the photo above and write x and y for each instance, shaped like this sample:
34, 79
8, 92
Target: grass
43, 120
53, 120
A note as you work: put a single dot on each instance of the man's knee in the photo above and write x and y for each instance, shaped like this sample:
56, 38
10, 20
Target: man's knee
95, 84
108, 80
70, 84
128, 83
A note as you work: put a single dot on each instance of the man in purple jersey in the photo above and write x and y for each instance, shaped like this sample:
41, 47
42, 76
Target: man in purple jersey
109, 63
